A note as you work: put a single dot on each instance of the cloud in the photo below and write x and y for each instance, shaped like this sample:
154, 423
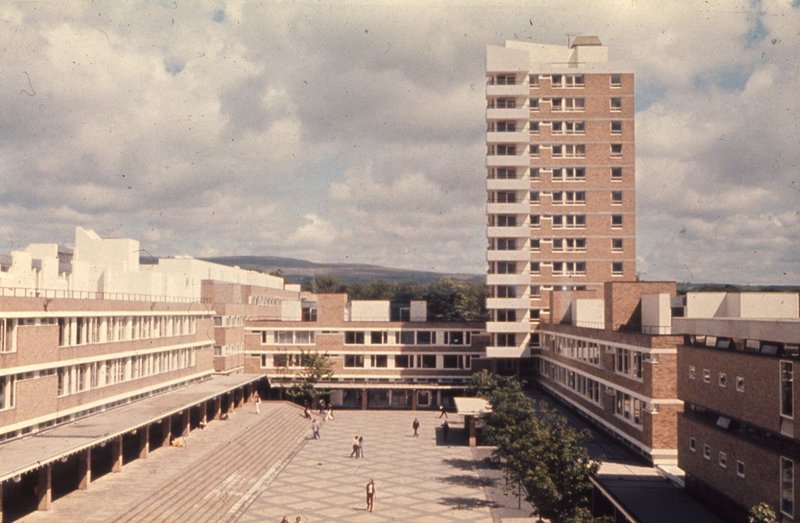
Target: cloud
356, 131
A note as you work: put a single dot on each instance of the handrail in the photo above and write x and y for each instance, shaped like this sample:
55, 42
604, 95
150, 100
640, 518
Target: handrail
27, 292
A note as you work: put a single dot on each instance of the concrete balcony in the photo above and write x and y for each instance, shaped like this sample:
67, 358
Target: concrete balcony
511, 160
517, 113
508, 279
516, 255
514, 184
508, 137
509, 303
508, 90
509, 352
518, 327
522, 208
510, 232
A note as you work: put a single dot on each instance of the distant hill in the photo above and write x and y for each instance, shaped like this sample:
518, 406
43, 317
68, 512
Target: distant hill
731, 287
298, 271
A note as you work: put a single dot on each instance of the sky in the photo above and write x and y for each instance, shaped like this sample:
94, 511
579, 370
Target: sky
354, 131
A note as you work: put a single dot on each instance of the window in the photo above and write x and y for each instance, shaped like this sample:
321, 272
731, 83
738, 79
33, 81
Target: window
740, 469
407, 337
616, 173
506, 268
505, 127
616, 221
450, 361
569, 221
571, 127
534, 127
787, 389
616, 244
401, 361
616, 127
723, 379
739, 384
379, 360
506, 340
569, 174
425, 337
723, 460
706, 376
569, 268
353, 360
566, 81
616, 149
7, 384
505, 315
535, 197
569, 244
536, 221
505, 103
693, 444
616, 104
534, 148
787, 487
616, 80
505, 291
569, 151
505, 244
506, 220
503, 150
378, 337
533, 79
706, 452
536, 267
354, 338
426, 361
569, 197
506, 173
568, 104
505, 79
616, 197
534, 103
535, 173
692, 372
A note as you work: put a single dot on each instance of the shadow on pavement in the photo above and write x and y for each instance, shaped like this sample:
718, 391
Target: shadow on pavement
470, 481
470, 464
466, 503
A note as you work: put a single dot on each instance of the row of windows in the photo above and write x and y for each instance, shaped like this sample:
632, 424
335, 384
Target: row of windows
722, 378
228, 321
232, 348
557, 127
408, 337
558, 268
558, 174
83, 331
576, 382
628, 408
88, 376
571, 197
626, 362
287, 337
722, 458
565, 81
571, 104
379, 361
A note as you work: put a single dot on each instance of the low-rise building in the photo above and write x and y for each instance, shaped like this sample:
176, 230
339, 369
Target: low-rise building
736, 372
383, 355
612, 359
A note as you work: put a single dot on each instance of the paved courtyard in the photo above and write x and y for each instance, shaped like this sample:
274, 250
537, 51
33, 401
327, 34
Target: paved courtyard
260, 468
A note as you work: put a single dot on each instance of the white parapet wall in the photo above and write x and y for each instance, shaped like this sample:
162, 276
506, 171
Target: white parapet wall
369, 310
742, 305
419, 310
588, 312
656, 313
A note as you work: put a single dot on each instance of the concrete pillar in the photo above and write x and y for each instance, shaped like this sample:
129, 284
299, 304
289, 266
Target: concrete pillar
438, 398
363, 399
240, 401
166, 428
217, 407
144, 441
413, 399
84, 469
231, 399
185, 423
44, 488
116, 454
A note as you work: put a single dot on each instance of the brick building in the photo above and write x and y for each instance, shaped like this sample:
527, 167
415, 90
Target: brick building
736, 372
560, 181
613, 360
382, 356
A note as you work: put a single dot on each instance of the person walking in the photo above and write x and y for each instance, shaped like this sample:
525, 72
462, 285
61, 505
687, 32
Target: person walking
315, 428
445, 429
321, 404
257, 401
355, 447
370, 494
306, 413
415, 426
361, 446
442, 412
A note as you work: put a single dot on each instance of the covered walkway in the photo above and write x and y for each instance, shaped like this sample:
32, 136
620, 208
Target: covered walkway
42, 467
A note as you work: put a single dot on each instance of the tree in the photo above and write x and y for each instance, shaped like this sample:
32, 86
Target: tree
536, 449
315, 367
762, 513
450, 299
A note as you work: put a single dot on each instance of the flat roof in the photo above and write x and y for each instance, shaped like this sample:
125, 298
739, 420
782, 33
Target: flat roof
471, 406
31, 452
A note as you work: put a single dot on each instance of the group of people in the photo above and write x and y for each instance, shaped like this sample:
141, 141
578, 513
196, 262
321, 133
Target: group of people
358, 447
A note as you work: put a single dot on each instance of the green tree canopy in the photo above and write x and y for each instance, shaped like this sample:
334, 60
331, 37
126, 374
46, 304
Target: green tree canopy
316, 366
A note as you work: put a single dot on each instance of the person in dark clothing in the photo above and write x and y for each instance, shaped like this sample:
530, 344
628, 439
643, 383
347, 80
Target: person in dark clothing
445, 429
370, 494
415, 426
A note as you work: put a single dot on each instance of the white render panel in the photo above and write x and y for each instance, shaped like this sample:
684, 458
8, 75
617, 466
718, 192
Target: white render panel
419, 310
587, 312
656, 313
369, 310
